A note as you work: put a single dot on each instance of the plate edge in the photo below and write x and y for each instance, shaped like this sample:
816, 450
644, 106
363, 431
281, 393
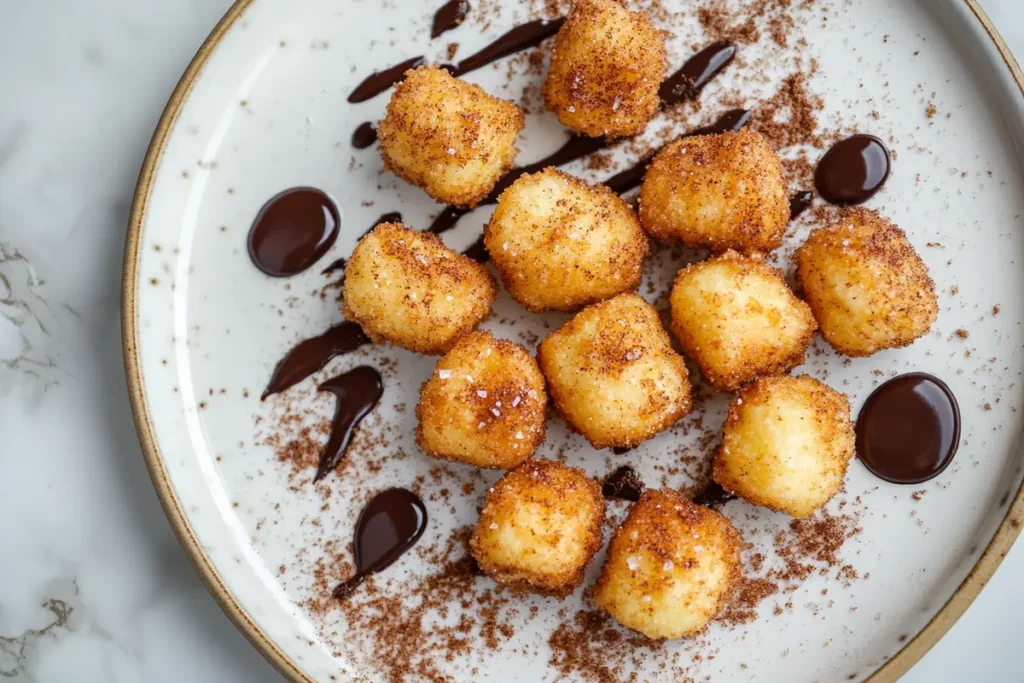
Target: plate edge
889, 672
133, 373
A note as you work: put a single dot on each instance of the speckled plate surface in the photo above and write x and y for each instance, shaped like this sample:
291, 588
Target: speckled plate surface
264, 108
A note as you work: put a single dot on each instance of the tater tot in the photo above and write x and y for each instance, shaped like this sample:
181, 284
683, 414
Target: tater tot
540, 527
613, 374
407, 288
607, 64
560, 244
737, 320
671, 566
716, 192
868, 288
484, 404
449, 137
787, 443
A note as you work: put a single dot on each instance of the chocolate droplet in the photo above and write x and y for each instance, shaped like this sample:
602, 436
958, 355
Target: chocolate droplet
909, 429
387, 527
292, 231
853, 170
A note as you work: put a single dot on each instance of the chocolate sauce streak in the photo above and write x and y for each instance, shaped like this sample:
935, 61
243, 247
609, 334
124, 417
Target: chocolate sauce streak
387, 527
477, 251
692, 76
292, 231
451, 14
447, 219
379, 81
311, 355
336, 264
626, 180
713, 495
522, 37
623, 483
799, 203
357, 392
365, 135
391, 217
909, 429
684, 84
853, 170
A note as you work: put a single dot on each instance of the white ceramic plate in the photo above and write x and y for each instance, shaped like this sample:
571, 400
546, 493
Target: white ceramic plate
264, 108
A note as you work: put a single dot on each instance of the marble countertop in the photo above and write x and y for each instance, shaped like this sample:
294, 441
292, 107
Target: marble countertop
93, 585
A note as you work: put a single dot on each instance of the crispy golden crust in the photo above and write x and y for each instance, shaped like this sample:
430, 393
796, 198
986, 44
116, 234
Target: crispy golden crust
449, 137
671, 566
787, 444
716, 192
407, 288
484, 404
561, 244
737, 319
613, 375
607, 64
540, 527
868, 288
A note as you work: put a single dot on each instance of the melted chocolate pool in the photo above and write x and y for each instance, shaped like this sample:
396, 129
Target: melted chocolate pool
853, 170
909, 429
388, 526
292, 231
357, 392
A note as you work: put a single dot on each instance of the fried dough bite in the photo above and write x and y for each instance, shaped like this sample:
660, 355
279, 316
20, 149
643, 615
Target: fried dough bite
407, 288
447, 136
484, 405
613, 374
787, 443
868, 288
737, 319
670, 568
540, 527
560, 244
716, 192
607, 64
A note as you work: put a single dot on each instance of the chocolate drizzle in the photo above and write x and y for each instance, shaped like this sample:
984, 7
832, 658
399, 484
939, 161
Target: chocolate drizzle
292, 231
626, 180
390, 217
853, 170
310, 355
713, 495
356, 392
909, 429
451, 14
800, 202
387, 527
447, 219
379, 81
623, 483
522, 37
365, 135
692, 76
477, 251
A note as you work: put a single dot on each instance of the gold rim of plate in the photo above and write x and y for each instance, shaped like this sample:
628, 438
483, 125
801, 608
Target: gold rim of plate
889, 672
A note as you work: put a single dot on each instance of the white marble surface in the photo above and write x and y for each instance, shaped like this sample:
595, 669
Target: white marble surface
93, 585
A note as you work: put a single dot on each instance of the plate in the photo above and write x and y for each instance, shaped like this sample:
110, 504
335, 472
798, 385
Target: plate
861, 591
